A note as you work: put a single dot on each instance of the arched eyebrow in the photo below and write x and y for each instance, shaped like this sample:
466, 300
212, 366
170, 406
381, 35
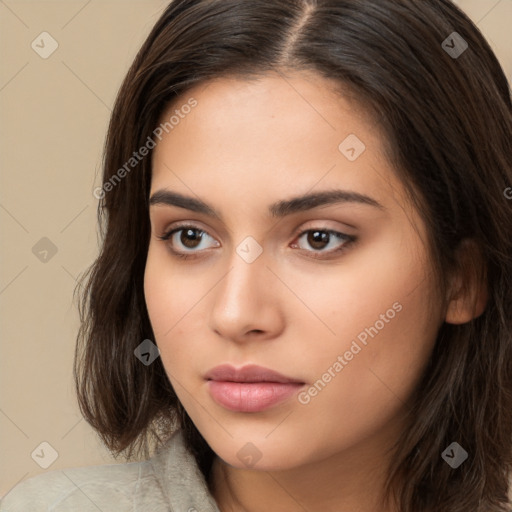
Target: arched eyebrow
278, 209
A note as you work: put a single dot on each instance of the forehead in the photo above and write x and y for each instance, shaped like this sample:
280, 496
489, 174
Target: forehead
268, 136
273, 101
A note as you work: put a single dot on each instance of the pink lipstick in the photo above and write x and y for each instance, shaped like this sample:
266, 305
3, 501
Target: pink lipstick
251, 388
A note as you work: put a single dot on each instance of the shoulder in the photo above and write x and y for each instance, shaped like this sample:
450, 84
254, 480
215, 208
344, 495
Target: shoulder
117, 487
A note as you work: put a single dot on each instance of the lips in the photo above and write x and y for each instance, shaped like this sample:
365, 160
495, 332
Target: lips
251, 373
249, 389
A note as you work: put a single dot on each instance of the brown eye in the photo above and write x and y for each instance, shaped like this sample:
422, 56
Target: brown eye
319, 239
189, 237
185, 240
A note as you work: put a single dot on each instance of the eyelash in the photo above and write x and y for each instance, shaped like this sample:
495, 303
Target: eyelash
349, 240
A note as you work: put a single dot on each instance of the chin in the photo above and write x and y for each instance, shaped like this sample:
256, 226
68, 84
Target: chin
252, 452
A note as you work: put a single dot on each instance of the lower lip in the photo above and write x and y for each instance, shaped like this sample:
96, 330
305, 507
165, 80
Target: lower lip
251, 396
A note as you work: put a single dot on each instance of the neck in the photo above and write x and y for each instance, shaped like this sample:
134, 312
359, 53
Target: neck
349, 481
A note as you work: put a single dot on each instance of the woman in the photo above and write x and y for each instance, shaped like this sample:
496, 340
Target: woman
303, 298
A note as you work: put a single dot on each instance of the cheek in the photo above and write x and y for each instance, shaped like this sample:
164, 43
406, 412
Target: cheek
383, 358
345, 299
160, 291
156, 293
375, 308
172, 291
374, 380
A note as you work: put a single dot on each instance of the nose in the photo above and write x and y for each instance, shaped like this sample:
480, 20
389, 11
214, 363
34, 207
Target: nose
246, 301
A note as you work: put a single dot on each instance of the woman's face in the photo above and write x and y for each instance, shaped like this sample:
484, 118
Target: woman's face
331, 294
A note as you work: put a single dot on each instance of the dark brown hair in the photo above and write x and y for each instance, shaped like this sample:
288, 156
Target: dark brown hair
447, 121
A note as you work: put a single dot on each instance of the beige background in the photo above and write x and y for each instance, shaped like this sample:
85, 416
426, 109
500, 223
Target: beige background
54, 114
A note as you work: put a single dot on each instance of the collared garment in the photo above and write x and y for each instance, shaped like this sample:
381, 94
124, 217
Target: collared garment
170, 481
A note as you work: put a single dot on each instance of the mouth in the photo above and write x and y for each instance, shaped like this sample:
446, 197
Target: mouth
251, 388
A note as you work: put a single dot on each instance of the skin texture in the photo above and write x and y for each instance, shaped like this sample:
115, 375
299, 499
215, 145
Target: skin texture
244, 146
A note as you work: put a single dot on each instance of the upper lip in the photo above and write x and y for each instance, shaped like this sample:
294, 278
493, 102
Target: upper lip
250, 373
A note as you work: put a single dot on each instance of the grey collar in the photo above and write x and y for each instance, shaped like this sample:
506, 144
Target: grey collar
183, 484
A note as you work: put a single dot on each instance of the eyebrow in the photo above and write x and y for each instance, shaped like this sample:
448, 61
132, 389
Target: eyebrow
278, 209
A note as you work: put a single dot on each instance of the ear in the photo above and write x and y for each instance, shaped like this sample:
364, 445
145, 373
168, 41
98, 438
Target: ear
468, 292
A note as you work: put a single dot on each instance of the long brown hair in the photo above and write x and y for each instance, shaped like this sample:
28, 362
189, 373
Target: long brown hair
445, 109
